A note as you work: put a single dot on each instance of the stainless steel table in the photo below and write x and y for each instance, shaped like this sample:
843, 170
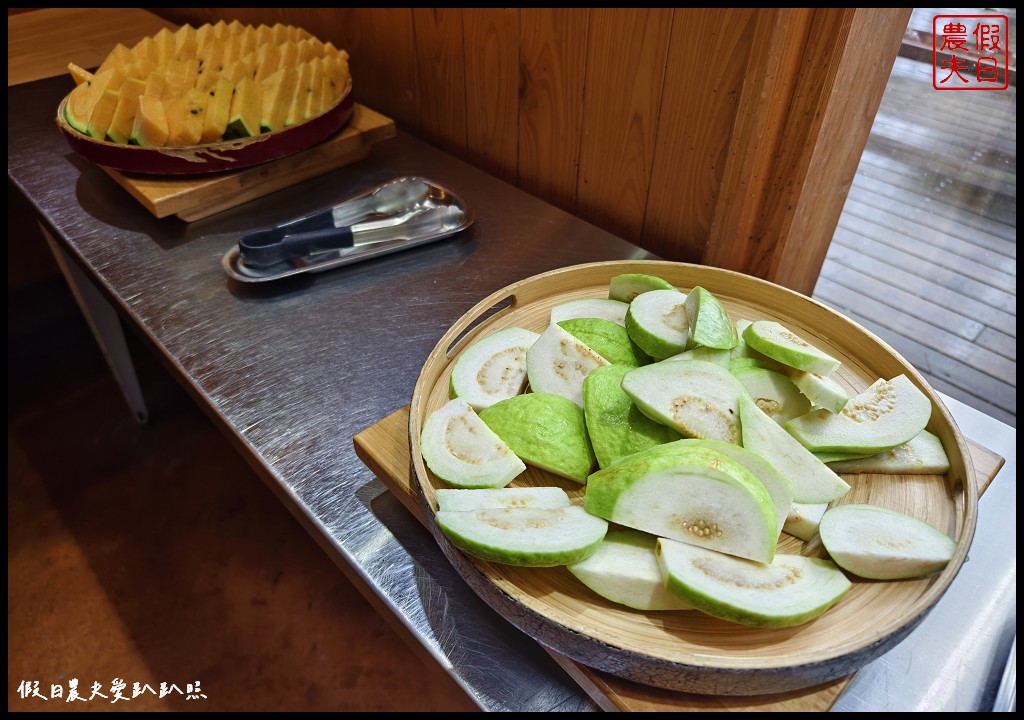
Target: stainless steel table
291, 370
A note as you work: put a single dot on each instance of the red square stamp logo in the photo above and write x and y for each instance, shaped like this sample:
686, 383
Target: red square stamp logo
970, 52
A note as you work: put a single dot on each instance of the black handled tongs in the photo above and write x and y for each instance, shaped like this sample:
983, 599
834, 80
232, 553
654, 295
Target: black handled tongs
266, 248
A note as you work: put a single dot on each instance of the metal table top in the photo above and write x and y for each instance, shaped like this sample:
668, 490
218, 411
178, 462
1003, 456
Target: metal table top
292, 370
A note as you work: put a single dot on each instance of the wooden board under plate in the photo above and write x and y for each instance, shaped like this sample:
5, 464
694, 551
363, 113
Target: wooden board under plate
198, 196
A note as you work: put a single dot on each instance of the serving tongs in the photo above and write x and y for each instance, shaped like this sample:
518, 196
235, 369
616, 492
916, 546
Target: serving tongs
401, 213
267, 248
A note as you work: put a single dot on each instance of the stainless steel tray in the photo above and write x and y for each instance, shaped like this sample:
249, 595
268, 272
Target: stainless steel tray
397, 197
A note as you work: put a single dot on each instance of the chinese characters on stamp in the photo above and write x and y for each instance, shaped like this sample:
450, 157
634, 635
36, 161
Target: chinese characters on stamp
970, 52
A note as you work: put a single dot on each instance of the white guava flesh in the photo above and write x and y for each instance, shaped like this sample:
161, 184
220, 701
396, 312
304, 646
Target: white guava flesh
506, 497
558, 362
878, 543
789, 591
493, 368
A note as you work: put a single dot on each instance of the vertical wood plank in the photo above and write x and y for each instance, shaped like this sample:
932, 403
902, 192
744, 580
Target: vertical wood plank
779, 208
552, 65
627, 50
737, 237
441, 77
706, 67
382, 59
859, 64
491, 40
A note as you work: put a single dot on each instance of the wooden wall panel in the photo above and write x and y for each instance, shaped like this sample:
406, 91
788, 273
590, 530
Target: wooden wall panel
552, 66
725, 136
706, 68
491, 41
620, 115
441, 77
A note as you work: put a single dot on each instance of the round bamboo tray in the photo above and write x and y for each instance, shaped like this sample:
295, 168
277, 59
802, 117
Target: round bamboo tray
689, 651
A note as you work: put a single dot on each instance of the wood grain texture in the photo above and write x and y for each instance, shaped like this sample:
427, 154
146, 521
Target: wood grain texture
672, 648
198, 196
491, 40
84, 36
759, 192
384, 448
552, 65
695, 119
617, 156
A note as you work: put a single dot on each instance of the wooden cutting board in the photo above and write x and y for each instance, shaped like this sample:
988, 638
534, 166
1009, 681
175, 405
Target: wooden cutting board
198, 196
384, 448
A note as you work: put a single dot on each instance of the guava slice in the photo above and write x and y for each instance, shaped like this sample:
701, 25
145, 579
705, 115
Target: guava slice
886, 415
532, 537
607, 339
773, 392
803, 520
707, 354
558, 362
789, 591
545, 431
493, 368
657, 322
505, 497
811, 479
627, 286
699, 399
624, 569
604, 308
777, 485
924, 455
879, 543
460, 449
822, 391
616, 425
688, 493
710, 323
780, 343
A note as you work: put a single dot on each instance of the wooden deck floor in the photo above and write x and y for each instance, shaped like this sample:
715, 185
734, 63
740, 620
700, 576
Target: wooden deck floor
925, 254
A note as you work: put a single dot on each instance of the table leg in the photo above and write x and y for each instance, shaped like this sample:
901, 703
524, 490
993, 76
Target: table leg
106, 327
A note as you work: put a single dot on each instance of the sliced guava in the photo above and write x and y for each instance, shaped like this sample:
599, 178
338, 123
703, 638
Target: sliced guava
460, 449
616, 425
789, 591
604, 308
532, 537
879, 543
923, 455
493, 368
627, 286
545, 431
607, 339
699, 399
811, 479
830, 457
886, 415
505, 497
773, 392
657, 322
558, 362
710, 323
689, 493
777, 485
822, 391
624, 569
780, 343
803, 520
707, 354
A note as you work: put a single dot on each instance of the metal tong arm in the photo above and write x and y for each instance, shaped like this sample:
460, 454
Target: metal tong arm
263, 248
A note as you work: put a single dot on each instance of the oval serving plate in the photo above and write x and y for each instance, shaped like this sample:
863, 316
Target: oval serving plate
689, 651
213, 157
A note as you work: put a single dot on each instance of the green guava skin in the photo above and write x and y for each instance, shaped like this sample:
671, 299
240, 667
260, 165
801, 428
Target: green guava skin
616, 425
546, 431
607, 339
710, 323
627, 286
